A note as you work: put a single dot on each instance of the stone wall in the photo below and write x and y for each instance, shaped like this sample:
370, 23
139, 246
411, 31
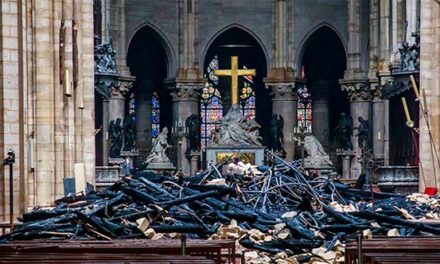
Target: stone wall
48, 130
215, 16
429, 80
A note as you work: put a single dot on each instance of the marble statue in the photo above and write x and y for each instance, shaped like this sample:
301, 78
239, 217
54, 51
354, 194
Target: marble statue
317, 155
157, 154
237, 130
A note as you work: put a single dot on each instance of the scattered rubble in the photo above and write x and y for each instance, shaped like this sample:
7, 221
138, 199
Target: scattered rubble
280, 214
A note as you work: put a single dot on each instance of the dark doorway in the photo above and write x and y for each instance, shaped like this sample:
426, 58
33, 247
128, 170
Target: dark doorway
148, 61
324, 61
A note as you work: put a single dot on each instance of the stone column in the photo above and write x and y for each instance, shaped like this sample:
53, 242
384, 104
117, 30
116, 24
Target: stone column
378, 106
412, 15
143, 113
320, 114
105, 123
284, 103
378, 126
281, 76
355, 81
359, 95
321, 120
429, 80
188, 82
118, 95
185, 102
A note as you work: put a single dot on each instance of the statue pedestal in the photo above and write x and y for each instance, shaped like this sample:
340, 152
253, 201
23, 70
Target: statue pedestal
246, 154
193, 156
346, 155
399, 179
160, 167
106, 176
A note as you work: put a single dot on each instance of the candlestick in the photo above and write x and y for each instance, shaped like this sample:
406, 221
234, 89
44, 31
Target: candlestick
409, 122
414, 86
425, 103
67, 84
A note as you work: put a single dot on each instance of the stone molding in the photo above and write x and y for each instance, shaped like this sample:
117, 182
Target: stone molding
123, 87
282, 91
358, 90
376, 89
117, 87
185, 90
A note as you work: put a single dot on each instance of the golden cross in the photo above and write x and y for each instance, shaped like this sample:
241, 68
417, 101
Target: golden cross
234, 72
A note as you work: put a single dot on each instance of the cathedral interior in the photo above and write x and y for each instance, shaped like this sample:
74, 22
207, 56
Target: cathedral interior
93, 91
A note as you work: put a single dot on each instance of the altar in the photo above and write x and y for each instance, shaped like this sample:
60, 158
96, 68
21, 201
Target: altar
246, 154
238, 136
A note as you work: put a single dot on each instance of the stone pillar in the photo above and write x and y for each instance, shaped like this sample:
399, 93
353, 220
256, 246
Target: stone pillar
378, 106
117, 98
387, 44
429, 80
284, 103
116, 107
194, 157
143, 113
185, 102
359, 95
321, 120
355, 81
281, 76
105, 123
378, 126
321, 113
412, 15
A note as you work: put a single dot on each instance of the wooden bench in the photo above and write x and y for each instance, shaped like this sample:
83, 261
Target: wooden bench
103, 258
403, 249
211, 249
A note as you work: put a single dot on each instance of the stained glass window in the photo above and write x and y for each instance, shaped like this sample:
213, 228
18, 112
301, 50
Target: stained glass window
155, 116
131, 104
247, 98
211, 108
304, 109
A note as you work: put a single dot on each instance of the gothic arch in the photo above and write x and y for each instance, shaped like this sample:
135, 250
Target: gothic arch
171, 57
303, 45
212, 38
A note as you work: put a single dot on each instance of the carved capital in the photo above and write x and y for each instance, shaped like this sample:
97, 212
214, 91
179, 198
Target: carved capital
376, 89
113, 86
122, 87
358, 90
185, 91
281, 90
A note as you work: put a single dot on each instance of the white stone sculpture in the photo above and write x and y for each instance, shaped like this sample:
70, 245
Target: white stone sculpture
317, 156
157, 154
237, 130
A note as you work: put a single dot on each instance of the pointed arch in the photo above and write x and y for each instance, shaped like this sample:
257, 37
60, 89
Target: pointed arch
246, 30
171, 57
304, 43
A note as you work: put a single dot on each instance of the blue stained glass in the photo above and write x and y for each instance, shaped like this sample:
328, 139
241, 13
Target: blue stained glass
155, 116
247, 101
304, 109
211, 108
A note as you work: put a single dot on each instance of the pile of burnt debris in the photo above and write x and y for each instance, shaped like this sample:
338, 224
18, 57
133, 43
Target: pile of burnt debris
276, 211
